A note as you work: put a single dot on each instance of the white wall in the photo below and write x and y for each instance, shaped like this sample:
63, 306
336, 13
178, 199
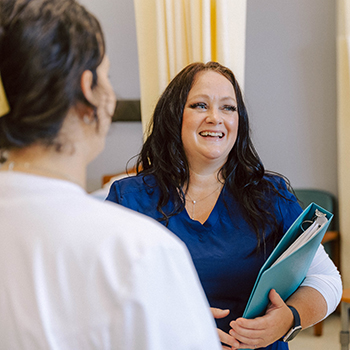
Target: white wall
118, 23
124, 139
290, 87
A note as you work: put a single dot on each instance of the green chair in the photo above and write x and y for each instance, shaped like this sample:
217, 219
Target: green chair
331, 240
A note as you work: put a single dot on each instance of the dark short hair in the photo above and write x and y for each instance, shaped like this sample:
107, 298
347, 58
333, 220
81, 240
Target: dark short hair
164, 157
45, 46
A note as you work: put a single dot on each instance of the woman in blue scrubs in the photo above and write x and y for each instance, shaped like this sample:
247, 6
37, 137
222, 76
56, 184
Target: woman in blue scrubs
199, 175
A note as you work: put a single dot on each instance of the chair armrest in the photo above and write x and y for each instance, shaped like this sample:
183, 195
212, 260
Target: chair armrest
330, 236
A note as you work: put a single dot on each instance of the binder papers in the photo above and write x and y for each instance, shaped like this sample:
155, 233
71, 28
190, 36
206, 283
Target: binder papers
313, 229
287, 266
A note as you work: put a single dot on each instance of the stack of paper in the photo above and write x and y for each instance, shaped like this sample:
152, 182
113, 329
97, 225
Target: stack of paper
304, 237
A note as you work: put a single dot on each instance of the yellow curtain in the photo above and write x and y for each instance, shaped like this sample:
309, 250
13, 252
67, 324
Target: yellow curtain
343, 90
173, 33
4, 105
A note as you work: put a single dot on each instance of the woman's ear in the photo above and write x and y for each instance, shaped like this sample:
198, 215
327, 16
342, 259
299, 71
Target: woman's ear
86, 86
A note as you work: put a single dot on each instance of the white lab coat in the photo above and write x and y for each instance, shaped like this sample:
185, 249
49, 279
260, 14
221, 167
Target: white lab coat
77, 273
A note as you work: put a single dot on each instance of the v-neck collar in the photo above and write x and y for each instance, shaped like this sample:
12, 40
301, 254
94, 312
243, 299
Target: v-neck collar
212, 219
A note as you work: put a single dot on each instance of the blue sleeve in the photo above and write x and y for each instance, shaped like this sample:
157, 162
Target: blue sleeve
114, 193
134, 193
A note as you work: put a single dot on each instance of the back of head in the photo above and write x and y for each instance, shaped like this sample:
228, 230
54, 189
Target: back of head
45, 46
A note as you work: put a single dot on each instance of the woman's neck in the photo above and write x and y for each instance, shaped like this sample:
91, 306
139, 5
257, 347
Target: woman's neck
40, 160
201, 193
199, 179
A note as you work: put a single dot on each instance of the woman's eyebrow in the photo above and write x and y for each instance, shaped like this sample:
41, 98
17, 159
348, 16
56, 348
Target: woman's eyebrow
206, 96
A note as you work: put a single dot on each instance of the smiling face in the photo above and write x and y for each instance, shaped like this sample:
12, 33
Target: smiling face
210, 120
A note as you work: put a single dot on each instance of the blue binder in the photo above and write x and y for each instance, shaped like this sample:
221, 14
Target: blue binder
287, 275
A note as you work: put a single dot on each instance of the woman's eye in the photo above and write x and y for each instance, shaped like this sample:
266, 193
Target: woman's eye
230, 108
199, 105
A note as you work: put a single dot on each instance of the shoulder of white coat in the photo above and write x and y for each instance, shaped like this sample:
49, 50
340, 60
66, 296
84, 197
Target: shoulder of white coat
118, 220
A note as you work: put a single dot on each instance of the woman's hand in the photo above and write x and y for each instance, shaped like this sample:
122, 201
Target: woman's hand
263, 331
225, 338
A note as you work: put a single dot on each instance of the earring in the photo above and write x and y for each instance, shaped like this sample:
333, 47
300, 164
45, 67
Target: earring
86, 119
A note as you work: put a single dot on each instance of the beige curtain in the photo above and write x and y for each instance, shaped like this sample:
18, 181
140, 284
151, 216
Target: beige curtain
173, 33
4, 106
343, 89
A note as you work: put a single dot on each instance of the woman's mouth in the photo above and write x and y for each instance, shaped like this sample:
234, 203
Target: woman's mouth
212, 134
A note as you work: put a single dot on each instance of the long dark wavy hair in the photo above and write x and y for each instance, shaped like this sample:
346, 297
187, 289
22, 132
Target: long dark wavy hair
163, 155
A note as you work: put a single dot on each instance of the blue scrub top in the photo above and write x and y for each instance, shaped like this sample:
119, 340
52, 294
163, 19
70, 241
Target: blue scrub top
223, 249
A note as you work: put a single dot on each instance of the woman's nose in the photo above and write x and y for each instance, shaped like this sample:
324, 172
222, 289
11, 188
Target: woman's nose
214, 116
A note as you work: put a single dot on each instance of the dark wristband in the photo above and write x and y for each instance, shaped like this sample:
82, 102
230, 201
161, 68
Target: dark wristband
296, 328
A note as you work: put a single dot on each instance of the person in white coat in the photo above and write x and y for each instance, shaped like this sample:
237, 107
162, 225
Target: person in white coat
77, 273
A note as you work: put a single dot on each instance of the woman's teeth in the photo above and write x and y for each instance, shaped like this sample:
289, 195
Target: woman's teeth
212, 134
